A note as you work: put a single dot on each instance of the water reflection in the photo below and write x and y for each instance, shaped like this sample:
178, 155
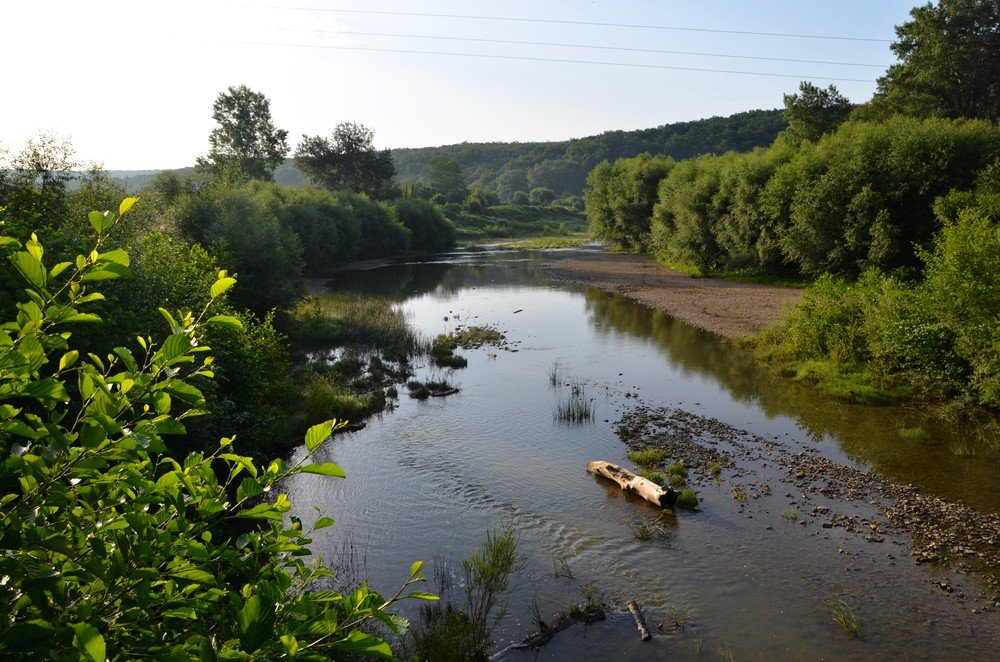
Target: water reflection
870, 435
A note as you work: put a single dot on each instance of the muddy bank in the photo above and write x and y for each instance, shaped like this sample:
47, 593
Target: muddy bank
728, 308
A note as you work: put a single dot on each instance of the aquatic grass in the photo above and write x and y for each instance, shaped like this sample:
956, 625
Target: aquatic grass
655, 476
738, 493
687, 499
555, 374
561, 566
326, 398
716, 468
676, 480
576, 407
915, 433
338, 320
647, 456
845, 615
790, 514
642, 530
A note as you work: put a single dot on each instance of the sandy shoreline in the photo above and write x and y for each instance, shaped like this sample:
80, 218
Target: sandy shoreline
728, 308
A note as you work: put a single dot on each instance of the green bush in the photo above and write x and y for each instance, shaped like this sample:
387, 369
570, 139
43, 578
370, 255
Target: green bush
429, 229
113, 548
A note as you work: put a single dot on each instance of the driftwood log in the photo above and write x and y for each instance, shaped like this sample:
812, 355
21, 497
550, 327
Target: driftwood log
647, 489
640, 622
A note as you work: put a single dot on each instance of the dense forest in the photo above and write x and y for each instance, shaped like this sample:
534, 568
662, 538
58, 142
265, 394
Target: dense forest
891, 206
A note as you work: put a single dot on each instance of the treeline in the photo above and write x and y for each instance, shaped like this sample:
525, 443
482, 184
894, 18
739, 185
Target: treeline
898, 221
861, 197
509, 168
892, 206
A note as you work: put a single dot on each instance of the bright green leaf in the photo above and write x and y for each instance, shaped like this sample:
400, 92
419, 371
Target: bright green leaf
89, 642
324, 469
317, 434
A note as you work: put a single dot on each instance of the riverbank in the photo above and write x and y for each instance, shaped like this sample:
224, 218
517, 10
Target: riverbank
729, 308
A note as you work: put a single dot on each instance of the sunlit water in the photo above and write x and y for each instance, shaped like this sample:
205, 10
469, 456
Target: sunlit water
426, 480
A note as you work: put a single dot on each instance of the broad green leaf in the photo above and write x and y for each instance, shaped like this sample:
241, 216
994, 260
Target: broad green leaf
125, 205
106, 271
262, 511
82, 317
415, 568
175, 345
30, 268
317, 434
89, 642
291, 644
68, 359
47, 389
184, 391
27, 637
194, 575
9, 243
248, 489
125, 354
422, 595
170, 319
361, 643
227, 321
59, 268
323, 522
117, 256
222, 286
325, 469
100, 221
249, 614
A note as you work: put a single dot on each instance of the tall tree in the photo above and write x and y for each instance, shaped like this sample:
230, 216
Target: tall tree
949, 62
348, 160
444, 176
246, 137
813, 111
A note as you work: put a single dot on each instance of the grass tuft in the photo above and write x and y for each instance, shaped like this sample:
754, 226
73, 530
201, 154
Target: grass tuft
687, 499
845, 615
647, 456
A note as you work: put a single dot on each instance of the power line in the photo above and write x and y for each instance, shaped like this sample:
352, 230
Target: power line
591, 23
588, 46
528, 59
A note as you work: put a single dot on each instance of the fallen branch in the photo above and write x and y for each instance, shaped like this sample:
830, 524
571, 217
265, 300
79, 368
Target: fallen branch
647, 489
640, 622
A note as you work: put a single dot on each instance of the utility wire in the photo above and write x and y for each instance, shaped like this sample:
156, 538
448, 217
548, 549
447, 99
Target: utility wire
591, 23
526, 59
588, 46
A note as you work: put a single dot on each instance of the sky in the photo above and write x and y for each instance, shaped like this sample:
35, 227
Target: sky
131, 83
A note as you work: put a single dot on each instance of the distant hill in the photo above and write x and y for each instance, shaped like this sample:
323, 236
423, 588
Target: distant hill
561, 166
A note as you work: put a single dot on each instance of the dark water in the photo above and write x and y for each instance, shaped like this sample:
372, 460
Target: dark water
427, 480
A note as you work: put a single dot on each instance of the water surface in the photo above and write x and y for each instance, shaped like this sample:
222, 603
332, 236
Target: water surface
427, 479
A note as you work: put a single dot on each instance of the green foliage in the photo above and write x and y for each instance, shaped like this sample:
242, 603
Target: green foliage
620, 198
241, 226
245, 138
563, 166
444, 176
461, 631
687, 499
647, 457
813, 111
541, 196
338, 320
113, 548
381, 234
948, 58
429, 229
347, 161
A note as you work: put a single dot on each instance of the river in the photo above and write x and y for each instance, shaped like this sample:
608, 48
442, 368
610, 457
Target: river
728, 580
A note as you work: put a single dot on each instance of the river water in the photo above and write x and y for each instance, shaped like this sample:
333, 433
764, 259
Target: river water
427, 479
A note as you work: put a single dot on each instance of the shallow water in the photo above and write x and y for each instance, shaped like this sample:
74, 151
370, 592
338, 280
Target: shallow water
427, 479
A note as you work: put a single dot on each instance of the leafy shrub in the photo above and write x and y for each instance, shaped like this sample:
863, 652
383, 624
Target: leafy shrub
113, 548
429, 229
